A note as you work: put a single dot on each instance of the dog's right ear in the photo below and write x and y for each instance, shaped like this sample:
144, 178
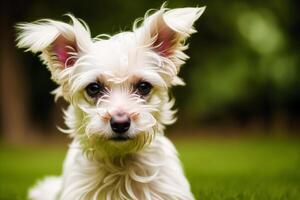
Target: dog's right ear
60, 44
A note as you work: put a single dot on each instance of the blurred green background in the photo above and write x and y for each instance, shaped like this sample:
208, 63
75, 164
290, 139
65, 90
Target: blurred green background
239, 115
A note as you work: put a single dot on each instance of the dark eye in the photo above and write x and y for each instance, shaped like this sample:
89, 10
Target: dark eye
143, 88
94, 89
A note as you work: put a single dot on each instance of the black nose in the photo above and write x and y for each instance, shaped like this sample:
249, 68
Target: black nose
120, 123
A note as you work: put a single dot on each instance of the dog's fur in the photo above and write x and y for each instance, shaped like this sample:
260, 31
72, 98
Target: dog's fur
146, 165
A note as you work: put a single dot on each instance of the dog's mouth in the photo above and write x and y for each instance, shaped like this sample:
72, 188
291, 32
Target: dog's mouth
120, 138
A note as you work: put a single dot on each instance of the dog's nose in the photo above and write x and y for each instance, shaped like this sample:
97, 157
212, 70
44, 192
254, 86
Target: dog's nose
120, 123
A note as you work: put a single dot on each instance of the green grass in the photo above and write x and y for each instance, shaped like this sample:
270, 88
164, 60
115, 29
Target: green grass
217, 169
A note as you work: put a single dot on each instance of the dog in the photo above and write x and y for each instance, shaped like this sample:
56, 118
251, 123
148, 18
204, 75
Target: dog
117, 88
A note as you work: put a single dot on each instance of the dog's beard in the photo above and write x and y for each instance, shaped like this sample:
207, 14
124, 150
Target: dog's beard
96, 147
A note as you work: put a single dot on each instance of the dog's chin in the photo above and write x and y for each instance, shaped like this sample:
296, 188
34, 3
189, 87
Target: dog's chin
116, 144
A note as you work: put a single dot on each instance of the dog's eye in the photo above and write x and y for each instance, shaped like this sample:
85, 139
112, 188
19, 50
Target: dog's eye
143, 88
94, 89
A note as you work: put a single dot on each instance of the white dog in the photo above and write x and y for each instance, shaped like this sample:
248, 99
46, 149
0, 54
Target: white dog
117, 87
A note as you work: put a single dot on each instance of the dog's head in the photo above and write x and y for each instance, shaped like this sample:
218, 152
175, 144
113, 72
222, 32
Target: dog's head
117, 85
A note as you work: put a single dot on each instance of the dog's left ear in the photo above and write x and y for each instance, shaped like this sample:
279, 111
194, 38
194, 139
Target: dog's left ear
61, 44
166, 31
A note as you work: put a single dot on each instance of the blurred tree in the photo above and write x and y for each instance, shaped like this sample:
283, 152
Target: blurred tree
14, 126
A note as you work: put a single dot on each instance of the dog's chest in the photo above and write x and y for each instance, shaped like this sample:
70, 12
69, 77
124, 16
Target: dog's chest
86, 179
153, 174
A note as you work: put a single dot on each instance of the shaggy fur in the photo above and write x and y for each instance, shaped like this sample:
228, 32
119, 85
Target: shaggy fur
146, 165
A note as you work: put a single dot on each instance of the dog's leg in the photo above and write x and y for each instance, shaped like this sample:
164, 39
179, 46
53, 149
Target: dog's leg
46, 189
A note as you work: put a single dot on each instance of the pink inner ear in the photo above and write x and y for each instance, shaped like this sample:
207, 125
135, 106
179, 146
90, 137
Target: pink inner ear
164, 42
60, 48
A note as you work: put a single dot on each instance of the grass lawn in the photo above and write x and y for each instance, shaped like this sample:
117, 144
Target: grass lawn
243, 169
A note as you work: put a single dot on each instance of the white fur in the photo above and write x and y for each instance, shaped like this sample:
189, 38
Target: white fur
145, 167
50, 186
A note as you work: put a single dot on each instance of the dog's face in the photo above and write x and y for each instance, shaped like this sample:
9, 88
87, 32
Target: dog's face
117, 86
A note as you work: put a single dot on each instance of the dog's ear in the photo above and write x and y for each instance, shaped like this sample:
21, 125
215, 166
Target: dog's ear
60, 44
166, 32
